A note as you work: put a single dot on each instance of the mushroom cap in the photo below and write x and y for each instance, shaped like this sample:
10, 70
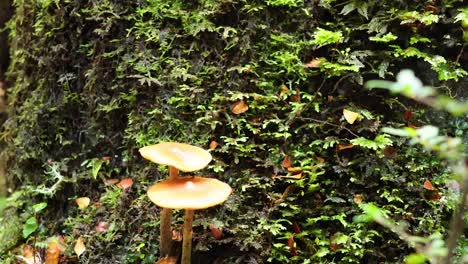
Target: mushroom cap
189, 193
182, 156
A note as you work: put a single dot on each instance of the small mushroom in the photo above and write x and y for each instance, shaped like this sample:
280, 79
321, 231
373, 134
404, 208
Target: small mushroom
178, 156
189, 193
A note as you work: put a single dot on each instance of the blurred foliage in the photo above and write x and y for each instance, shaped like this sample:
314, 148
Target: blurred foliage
92, 81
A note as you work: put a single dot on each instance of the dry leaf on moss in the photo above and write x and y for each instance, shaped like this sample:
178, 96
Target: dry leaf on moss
286, 162
79, 246
239, 107
125, 183
350, 116
83, 202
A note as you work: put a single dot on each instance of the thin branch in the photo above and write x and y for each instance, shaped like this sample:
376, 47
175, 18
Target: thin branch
330, 124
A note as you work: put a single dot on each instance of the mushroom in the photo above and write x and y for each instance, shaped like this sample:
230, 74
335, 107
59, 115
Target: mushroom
189, 193
178, 156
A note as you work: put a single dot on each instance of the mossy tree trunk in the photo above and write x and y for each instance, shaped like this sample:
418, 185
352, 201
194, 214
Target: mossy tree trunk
5, 14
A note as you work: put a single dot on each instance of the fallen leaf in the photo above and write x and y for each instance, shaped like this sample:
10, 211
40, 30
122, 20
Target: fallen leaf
314, 63
79, 246
176, 235
296, 97
343, 147
109, 182
291, 246
294, 171
350, 116
216, 232
434, 196
286, 162
357, 198
213, 144
295, 177
284, 89
389, 152
101, 226
320, 160
83, 202
125, 183
239, 107
30, 256
296, 228
53, 252
407, 115
334, 246
428, 185
167, 260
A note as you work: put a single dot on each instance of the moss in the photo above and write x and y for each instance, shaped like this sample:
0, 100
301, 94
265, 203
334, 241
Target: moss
99, 79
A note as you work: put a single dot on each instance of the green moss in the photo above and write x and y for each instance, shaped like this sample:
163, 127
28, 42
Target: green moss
94, 79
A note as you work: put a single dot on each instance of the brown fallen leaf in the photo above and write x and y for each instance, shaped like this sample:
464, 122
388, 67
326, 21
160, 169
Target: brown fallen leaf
428, 185
167, 260
239, 107
296, 228
292, 247
343, 147
286, 162
216, 232
125, 183
109, 182
213, 144
82, 202
106, 158
314, 63
294, 171
30, 255
320, 160
296, 98
53, 252
79, 247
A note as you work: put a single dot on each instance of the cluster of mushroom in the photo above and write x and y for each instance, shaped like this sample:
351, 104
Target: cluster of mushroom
189, 193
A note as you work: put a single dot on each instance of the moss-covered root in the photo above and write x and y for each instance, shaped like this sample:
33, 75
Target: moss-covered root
187, 237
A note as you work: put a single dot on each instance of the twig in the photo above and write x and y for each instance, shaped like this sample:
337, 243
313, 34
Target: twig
330, 124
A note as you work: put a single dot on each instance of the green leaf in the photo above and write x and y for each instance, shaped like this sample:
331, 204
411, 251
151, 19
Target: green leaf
39, 207
415, 258
385, 38
29, 227
379, 142
348, 9
322, 252
95, 164
324, 37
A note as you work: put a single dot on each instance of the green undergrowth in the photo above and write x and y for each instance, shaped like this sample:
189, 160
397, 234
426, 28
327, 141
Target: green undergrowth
93, 81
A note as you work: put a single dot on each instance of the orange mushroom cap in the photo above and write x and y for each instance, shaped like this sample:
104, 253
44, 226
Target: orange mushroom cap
189, 193
182, 156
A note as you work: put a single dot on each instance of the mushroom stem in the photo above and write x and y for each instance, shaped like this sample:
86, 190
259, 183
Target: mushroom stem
187, 237
165, 235
173, 172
